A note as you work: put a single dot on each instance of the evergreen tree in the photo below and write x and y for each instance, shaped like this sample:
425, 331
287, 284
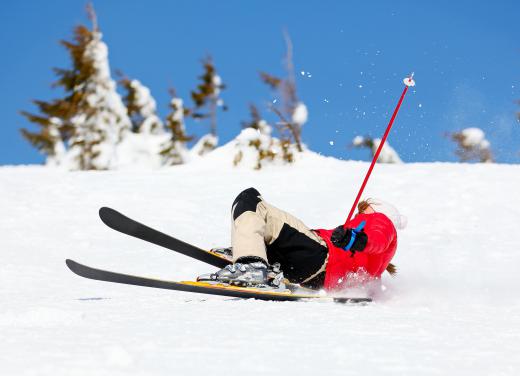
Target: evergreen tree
388, 153
175, 150
91, 118
292, 113
141, 107
207, 100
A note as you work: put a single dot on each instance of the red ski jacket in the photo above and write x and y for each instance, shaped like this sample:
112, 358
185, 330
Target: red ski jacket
380, 248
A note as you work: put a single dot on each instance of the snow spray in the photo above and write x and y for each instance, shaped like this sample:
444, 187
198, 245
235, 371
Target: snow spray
408, 81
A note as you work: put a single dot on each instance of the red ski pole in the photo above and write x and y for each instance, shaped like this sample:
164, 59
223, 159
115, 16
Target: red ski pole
408, 81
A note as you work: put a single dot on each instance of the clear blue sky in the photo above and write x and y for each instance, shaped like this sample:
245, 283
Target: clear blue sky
465, 54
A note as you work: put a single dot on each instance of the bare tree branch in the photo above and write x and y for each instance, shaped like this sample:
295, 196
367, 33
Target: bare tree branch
92, 15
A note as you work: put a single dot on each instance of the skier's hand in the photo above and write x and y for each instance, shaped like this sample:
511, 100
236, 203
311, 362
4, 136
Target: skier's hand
341, 238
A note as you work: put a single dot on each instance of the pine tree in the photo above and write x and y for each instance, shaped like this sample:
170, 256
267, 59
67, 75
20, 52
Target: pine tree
388, 153
141, 107
293, 112
472, 145
207, 100
87, 123
55, 119
175, 150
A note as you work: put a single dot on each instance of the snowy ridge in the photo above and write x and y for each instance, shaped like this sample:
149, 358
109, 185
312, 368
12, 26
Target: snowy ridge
452, 309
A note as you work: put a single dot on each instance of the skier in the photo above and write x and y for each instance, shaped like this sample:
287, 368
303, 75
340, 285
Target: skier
267, 241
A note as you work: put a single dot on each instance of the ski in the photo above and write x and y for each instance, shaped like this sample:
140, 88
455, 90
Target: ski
119, 222
289, 294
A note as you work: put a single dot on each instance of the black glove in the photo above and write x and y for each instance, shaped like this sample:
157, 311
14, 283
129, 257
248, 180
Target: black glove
341, 238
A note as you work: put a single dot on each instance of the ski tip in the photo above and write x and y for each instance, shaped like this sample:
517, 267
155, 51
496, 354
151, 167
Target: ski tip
107, 215
71, 264
104, 210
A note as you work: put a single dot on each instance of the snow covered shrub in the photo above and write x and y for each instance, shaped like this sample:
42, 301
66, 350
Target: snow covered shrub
256, 146
204, 145
387, 155
472, 145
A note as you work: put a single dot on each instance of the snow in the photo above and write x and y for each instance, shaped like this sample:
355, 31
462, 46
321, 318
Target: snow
474, 137
151, 123
452, 309
217, 86
178, 103
204, 145
358, 140
300, 114
140, 151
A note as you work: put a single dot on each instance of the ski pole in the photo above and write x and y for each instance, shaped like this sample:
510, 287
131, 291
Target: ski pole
408, 81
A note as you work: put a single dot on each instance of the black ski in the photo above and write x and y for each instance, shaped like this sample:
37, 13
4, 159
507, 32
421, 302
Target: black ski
119, 222
201, 287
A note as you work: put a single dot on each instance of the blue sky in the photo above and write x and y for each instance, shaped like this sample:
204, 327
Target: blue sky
465, 54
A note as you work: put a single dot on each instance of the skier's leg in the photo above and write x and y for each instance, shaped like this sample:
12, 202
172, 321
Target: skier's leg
262, 233
301, 253
260, 230
250, 265
248, 225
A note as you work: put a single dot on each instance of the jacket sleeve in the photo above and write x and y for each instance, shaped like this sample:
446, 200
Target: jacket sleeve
380, 232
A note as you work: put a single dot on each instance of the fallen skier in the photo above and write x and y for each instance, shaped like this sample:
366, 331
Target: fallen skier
267, 241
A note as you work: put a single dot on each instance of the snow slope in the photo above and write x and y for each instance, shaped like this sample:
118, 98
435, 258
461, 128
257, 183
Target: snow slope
453, 309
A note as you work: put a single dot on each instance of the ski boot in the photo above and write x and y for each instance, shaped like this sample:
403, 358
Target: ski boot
248, 272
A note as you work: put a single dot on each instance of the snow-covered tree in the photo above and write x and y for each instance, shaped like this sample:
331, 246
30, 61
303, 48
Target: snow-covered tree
388, 153
175, 150
141, 107
256, 140
103, 120
293, 113
80, 131
472, 145
142, 147
207, 101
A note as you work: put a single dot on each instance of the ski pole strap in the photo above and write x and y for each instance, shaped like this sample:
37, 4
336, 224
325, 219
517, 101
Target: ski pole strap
353, 235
